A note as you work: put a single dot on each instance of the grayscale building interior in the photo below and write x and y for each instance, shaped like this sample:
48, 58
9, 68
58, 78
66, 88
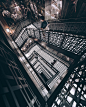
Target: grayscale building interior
42, 68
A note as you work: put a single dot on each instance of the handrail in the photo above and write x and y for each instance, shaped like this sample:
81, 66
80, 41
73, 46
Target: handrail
72, 27
66, 22
71, 34
20, 26
56, 27
76, 19
80, 36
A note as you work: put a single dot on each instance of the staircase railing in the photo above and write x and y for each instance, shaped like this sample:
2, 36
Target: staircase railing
72, 43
